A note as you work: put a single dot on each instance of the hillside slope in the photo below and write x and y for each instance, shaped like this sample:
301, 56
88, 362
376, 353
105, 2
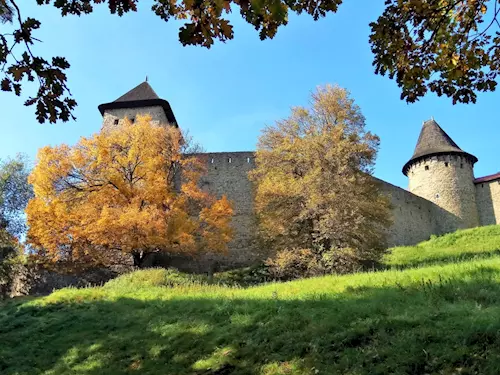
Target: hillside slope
442, 318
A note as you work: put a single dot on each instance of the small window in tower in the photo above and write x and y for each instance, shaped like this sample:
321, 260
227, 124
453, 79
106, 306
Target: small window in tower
437, 196
248, 160
229, 160
212, 160
461, 165
446, 164
132, 120
426, 167
116, 121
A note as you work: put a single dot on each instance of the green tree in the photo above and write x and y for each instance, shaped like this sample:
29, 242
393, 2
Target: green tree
314, 188
15, 192
449, 47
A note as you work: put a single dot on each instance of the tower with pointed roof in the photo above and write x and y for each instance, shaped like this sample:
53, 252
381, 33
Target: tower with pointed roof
443, 173
443, 195
141, 100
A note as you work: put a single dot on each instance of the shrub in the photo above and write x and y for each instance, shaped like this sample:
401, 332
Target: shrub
292, 264
342, 261
10, 256
155, 277
243, 277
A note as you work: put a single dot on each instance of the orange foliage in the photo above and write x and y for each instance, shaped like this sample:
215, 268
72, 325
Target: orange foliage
122, 190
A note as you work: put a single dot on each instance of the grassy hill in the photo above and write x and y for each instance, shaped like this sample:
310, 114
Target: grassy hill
435, 311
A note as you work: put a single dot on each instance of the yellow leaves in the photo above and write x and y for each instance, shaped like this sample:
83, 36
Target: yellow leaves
116, 191
455, 58
312, 176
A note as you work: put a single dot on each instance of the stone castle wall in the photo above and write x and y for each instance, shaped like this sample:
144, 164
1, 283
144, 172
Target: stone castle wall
447, 181
442, 198
111, 115
412, 216
488, 202
227, 174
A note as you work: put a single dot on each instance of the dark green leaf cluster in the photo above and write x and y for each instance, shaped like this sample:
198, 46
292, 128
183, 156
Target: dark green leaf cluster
52, 99
449, 47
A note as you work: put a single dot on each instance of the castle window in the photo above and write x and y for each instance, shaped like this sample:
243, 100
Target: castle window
116, 121
132, 120
229, 160
461, 165
212, 160
446, 164
426, 167
437, 196
248, 160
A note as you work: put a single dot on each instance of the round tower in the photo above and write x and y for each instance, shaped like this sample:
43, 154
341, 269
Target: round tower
442, 173
141, 100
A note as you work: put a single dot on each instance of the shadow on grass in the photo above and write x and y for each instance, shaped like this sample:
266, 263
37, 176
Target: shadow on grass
447, 327
444, 259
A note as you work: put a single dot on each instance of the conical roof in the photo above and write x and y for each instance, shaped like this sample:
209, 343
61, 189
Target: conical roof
433, 140
142, 95
141, 92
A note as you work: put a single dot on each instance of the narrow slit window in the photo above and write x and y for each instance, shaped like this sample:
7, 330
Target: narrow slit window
426, 167
229, 160
132, 120
248, 160
116, 121
461, 165
212, 161
446, 164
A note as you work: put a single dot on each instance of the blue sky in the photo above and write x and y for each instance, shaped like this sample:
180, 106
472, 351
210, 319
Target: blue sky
225, 95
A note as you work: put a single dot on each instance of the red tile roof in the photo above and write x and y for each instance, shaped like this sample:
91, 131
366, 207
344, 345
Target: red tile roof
491, 177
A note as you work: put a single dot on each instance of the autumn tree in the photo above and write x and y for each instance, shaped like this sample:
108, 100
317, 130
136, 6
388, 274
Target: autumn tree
123, 191
314, 188
448, 47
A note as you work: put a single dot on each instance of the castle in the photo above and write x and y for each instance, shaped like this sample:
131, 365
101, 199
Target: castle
443, 194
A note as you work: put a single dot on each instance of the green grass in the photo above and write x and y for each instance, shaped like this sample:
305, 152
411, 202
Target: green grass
458, 246
439, 318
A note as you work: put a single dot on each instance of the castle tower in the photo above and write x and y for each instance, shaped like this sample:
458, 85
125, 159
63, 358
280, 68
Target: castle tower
139, 101
442, 173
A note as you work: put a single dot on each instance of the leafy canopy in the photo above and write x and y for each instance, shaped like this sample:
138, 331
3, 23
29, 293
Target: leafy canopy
449, 47
314, 187
122, 190
15, 192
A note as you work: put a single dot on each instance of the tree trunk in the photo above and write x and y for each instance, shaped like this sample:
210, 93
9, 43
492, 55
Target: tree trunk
143, 259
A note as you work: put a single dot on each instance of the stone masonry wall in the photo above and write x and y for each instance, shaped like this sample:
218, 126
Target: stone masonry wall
156, 112
227, 173
412, 216
488, 202
447, 181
